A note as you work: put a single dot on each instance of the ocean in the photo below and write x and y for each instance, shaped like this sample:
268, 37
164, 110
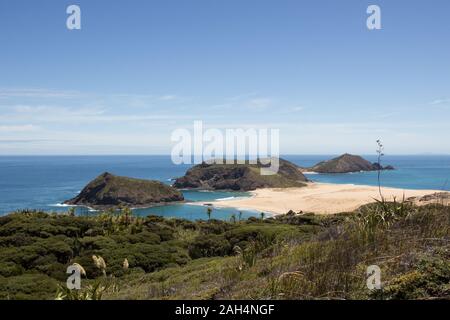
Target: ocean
44, 182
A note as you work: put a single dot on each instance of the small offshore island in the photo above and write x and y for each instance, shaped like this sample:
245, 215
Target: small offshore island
346, 163
240, 177
110, 191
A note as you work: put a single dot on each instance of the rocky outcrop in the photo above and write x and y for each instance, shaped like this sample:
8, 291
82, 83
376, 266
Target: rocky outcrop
108, 190
243, 177
346, 163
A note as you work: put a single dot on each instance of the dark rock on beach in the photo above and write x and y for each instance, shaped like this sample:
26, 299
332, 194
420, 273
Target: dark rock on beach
243, 177
108, 190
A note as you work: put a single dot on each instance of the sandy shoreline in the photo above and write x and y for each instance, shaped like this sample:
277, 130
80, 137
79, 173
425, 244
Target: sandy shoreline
321, 198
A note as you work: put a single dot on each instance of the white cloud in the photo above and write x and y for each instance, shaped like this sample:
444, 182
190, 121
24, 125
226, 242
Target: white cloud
57, 114
297, 109
36, 93
18, 128
70, 122
440, 101
242, 101
167, 97
44, 113
260, 103
242, 96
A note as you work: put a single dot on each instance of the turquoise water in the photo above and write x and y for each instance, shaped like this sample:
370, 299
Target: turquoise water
43, 182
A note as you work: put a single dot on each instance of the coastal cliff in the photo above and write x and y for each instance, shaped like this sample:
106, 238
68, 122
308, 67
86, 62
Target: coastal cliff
244, 177
346, 163
108, 190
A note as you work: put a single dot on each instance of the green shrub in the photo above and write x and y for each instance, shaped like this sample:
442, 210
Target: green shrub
152, 257
263, 233
27, 286
16, 240
143, 237
431, 278
210, 245
214, 226
10, 269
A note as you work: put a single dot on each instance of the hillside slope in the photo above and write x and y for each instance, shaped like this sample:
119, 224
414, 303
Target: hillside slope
294, 256
412, 249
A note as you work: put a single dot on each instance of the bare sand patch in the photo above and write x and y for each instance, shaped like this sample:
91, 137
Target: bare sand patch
321, 198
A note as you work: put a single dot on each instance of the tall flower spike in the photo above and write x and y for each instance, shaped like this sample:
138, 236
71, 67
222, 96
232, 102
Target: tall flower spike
80, 268
99, 262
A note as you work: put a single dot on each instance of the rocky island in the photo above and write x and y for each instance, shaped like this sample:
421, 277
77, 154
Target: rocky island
108, 191
346, 163
240, 177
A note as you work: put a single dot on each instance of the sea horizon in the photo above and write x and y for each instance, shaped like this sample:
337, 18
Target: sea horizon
168, 154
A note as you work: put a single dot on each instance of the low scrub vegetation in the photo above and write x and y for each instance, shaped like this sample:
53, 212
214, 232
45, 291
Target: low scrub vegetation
294, 256
36, 247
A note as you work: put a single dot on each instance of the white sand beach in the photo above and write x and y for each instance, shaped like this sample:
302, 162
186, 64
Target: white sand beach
321, 198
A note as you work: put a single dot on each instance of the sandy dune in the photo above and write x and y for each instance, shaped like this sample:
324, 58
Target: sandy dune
317, 197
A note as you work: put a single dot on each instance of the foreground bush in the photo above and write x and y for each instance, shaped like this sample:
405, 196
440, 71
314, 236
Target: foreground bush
295, 256
411, 245
37, 245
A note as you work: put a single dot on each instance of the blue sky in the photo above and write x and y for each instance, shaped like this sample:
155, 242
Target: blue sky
137, 70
